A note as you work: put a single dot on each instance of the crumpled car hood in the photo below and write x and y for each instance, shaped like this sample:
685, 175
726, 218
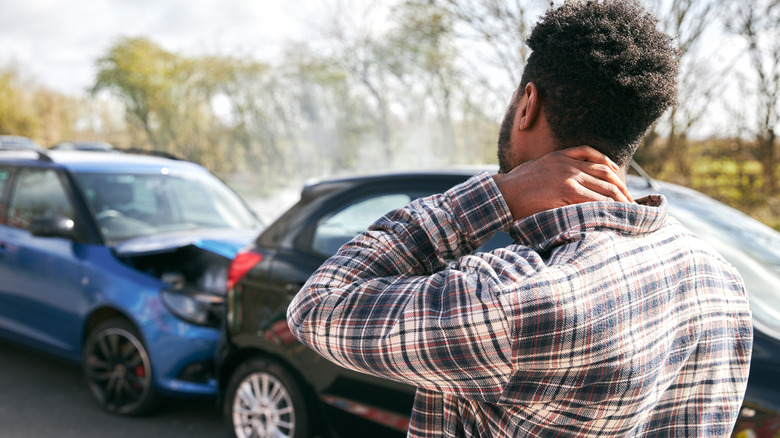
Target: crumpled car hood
222, 242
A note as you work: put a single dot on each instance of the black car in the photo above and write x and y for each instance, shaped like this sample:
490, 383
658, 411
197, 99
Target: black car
272, 383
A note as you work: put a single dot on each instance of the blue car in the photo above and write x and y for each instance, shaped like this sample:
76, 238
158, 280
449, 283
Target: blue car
119, 262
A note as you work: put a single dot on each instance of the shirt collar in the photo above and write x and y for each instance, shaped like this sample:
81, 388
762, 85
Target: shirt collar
553, 227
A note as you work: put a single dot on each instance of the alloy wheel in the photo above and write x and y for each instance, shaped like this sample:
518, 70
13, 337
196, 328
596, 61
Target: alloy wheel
263, 407
117, 370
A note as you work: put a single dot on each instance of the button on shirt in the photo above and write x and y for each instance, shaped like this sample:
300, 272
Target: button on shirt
602, 319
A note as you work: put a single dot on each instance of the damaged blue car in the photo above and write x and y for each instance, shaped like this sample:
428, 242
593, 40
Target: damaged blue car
119, 262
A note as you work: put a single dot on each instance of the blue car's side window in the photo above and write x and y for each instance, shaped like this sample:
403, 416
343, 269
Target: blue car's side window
37, 193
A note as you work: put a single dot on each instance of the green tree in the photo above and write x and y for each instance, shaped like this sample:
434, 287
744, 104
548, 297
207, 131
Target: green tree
17, 116
57, 113
140, 73
169, 97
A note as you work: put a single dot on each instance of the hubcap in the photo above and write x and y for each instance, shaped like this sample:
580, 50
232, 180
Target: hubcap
117, 370
262, 407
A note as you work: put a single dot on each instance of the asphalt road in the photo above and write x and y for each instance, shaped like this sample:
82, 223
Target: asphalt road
42, 396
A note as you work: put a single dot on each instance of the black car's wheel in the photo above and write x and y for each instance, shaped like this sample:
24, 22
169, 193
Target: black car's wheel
262, 400
117, 368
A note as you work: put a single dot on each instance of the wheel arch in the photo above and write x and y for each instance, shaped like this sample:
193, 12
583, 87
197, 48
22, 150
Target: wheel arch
102, 314
237, 357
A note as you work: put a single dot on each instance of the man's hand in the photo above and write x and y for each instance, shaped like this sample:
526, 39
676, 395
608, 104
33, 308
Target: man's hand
560, 178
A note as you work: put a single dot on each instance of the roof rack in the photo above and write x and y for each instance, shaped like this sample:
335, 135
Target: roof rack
42, 153
151, 153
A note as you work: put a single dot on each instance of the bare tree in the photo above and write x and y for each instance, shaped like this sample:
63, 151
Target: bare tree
399, 59
350, 32
495, 31
758, 24
689, 22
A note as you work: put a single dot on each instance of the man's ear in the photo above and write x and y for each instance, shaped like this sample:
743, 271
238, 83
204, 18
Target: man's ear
529, 111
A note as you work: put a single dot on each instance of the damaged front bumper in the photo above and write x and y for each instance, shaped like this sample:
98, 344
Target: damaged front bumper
192, 270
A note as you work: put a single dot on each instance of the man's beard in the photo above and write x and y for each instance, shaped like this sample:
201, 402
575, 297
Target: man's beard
504, 139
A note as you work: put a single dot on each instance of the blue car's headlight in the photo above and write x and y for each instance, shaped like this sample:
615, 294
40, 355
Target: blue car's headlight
195, 307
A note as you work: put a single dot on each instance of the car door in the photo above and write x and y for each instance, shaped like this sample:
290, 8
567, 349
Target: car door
41, 296
336, 222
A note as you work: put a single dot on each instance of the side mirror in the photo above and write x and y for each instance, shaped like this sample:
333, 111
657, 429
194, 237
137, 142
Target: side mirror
53, 226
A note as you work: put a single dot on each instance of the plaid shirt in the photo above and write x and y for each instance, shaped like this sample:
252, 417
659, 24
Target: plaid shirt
603, 319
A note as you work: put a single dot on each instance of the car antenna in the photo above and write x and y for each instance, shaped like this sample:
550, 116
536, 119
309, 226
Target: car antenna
650, 181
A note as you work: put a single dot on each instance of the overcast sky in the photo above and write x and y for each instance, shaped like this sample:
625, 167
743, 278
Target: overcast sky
56, 42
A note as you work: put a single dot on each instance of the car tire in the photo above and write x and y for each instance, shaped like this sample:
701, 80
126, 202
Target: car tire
263, 400
117, 368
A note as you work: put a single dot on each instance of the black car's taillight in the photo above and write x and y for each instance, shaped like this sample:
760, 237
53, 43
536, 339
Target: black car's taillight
243, 262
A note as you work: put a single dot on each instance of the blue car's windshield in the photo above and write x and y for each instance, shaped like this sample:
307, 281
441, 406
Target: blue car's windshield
128, 205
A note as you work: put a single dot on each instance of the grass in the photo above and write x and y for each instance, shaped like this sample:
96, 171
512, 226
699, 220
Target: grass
727, 173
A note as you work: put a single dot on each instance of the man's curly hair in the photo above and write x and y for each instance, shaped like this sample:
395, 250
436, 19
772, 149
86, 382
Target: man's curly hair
604, 72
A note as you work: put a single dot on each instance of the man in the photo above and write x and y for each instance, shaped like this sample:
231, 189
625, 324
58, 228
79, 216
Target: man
605, 318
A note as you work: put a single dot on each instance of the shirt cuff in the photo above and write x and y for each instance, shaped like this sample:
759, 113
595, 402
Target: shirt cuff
481, 208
